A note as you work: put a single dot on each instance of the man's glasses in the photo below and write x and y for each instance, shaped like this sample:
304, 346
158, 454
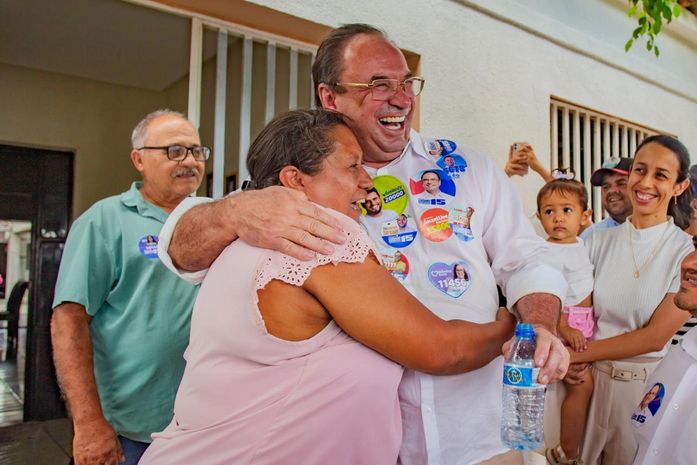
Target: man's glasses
384, 89
178, 152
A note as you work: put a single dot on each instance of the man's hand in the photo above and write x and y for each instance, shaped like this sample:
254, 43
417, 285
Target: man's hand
550, 355
96, 443
283, 219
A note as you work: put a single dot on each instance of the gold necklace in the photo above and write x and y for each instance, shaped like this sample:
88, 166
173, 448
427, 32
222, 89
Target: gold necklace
637, 269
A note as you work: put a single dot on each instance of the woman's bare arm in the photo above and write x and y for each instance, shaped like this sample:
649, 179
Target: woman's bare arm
372, 307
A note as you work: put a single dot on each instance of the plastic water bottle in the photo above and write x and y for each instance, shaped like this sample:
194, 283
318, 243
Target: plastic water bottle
522, 423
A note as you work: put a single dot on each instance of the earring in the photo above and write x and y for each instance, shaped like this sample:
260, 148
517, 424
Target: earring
675, 200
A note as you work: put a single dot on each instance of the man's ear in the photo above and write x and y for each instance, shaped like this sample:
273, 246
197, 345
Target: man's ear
292, 177
327, 96
137, 160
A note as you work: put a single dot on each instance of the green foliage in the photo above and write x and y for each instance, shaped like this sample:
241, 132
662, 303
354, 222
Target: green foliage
651, 15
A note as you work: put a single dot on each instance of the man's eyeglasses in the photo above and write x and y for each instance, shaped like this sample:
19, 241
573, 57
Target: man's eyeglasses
384, 89
178, 152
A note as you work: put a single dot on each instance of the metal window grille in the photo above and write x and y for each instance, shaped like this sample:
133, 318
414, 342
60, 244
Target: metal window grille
582, 139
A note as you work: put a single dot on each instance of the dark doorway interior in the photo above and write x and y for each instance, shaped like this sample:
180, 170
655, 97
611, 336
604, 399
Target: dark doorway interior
36, 186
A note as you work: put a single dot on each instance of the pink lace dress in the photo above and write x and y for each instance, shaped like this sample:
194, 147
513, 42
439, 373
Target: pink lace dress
248, 397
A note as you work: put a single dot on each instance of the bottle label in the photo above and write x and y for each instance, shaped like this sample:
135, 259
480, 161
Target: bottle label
520, 376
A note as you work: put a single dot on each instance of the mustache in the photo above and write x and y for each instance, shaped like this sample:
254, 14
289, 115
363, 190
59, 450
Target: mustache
181, 171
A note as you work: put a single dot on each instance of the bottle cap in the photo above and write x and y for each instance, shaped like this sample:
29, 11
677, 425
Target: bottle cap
525, 330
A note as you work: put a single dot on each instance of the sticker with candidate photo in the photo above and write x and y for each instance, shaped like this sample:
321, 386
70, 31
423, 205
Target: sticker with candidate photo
649, 406
453, 165
460, 222
388, 193
440, 147
148, 246
432, 188
434, 224
397, 264
452, 279
399, 232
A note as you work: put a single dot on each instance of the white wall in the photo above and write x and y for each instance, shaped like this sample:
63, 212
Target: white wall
491, 66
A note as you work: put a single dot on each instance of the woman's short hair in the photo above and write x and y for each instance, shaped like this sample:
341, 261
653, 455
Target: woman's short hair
681, 209
564, 187
299, 138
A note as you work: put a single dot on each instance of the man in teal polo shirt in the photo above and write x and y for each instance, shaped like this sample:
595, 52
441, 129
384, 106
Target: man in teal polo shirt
121, 319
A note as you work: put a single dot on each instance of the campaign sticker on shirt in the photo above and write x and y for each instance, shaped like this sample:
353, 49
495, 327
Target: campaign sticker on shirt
432, 188
391, 195
397, 264
440, 147
452, 279
460, 223
434, 225
400, 232
453, 165
649, 406
148, 246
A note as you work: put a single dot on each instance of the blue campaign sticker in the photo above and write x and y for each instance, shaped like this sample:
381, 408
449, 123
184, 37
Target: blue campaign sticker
453, 165
399, 232
440, 147
148, 246
452, 279
432, 188
520, 376
650, 405
460, 220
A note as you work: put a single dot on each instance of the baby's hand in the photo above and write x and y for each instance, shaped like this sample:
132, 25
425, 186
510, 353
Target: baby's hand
575, 339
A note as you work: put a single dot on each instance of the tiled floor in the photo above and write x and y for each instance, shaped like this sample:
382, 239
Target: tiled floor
31, 443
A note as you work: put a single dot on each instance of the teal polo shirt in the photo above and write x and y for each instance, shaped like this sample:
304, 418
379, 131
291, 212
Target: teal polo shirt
141, 312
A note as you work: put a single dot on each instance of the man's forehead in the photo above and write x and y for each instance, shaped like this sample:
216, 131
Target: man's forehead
374, 57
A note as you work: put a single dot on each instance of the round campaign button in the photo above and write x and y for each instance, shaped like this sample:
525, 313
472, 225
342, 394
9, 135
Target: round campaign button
399, 232
440, 147
460, 219
148, 246
392, 195
452, 279
453, 165
434, 225
432, 188
397, 264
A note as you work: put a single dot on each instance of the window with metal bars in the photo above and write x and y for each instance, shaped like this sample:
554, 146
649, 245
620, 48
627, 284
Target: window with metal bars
582, 139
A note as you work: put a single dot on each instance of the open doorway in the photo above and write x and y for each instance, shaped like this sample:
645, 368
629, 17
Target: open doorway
15, 259
35, 205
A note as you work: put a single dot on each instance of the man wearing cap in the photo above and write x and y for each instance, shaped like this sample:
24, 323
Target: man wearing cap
612, 179
666, 433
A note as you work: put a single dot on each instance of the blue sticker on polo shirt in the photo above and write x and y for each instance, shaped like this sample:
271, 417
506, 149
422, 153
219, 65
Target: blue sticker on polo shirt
432, 188
148, 246
399, 232
440, 147
452, 279
650, 405
453, 165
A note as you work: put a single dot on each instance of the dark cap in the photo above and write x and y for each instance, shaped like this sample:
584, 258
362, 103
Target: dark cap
611, 165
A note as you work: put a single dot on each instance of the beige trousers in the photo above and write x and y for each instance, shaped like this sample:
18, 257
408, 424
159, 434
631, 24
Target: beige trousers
512, 457
609, 438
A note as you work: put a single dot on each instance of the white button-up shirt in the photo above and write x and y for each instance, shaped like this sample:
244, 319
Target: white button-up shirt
665, 429
477, 221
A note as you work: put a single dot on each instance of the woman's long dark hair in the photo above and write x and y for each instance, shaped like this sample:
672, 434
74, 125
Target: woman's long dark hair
681, 211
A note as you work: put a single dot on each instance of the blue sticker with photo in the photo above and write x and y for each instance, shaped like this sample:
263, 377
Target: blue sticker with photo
460, 222
399, 232
453, 165
148, 246
440, 147
452, 279
432, 188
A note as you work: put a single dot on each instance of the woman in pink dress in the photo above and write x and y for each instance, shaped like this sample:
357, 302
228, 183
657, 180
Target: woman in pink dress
296, 362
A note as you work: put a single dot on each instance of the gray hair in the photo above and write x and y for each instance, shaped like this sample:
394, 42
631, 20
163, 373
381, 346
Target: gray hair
141, 130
